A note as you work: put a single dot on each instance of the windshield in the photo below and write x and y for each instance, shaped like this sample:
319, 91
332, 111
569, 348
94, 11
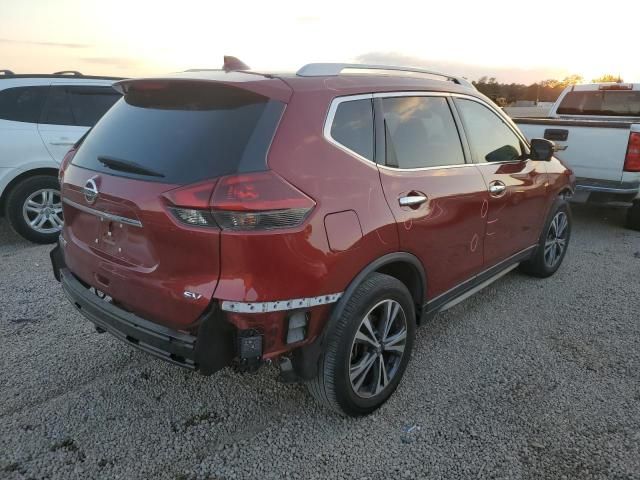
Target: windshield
183, 132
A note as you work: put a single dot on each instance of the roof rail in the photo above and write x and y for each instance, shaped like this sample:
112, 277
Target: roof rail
75, 73
6, 72
334, 69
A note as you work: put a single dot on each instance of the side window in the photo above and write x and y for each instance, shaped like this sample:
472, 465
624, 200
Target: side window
57, 110
490, 138
22, 104
88, 104
420, 132
353, 126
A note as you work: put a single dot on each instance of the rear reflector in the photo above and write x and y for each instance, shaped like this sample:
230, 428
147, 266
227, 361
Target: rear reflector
190, 216
246, 202
270, 220
632, 160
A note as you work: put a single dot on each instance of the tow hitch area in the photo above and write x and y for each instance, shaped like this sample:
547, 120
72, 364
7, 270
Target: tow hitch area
249, 350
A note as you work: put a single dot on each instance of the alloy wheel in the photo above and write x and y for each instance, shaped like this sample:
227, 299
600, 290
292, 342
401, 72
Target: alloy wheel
42, 211
377, 349
556, 241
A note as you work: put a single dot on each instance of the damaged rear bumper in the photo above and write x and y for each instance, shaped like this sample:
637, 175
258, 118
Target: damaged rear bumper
208, 349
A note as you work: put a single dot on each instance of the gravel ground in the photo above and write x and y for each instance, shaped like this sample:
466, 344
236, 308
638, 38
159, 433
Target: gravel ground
529, 379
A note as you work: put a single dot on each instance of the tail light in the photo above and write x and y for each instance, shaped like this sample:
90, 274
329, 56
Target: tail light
247, 202
632, 160
65, 163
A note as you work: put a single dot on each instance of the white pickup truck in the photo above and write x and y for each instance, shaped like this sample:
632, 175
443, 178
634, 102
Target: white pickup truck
596, 129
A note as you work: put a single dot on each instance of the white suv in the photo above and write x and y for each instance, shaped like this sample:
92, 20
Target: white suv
41, 118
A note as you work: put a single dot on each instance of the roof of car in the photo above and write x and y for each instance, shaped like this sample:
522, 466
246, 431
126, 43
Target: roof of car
587, 87
280, 84
67, 75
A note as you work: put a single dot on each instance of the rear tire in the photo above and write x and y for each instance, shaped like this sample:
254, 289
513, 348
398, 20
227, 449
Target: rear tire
553, 242
34, 209
366, 354
633, 216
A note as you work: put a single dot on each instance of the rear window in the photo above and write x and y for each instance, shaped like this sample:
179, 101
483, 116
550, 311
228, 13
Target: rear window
602, 102
183, 132
22, 104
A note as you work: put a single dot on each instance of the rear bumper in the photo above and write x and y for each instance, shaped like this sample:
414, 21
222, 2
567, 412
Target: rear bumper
208, 351
606, 192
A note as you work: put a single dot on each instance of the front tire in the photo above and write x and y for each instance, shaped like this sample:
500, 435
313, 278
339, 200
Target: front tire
553, 243
368, 348
34, 209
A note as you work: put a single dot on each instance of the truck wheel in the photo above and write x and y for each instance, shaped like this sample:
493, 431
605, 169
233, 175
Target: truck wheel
553, 243
368, 348
633, 216
34, 209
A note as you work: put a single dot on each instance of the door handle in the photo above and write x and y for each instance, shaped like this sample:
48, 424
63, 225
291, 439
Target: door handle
497, 188
412, 200
64, 144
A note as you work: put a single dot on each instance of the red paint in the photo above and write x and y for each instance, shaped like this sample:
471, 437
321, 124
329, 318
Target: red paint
343, 230
457, 233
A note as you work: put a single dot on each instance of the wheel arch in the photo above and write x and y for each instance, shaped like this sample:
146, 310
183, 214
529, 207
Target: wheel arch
401, 265
19, 178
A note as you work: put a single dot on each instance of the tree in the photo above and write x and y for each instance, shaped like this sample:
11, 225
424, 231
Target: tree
571, 80
607, 77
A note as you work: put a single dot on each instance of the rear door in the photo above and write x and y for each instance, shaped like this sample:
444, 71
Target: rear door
517, 185
438, 199
69, 111
20, 108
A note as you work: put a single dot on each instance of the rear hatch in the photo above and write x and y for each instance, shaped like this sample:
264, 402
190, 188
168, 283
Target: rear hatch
135, 191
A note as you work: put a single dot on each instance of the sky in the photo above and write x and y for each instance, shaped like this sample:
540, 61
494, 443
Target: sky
514, 41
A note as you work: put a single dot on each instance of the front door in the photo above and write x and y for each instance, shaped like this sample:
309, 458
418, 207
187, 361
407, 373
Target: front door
439, 201
517, 185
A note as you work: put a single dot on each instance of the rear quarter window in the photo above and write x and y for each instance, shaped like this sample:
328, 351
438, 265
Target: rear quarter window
22, 104
352, 126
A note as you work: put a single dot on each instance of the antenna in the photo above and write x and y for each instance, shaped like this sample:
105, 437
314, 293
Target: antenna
232, 64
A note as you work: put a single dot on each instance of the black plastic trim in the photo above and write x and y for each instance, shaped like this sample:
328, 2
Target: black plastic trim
435, 305
170, 345
212, 349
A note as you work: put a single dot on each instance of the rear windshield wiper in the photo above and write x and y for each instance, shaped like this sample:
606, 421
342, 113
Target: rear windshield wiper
127, 166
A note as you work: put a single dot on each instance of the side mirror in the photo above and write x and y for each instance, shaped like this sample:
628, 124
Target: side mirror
542, 149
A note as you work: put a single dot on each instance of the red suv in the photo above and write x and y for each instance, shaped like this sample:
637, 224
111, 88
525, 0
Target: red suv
218, 218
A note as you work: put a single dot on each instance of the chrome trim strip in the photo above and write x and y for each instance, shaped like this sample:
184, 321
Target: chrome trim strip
107, 216
279, 306
506, 261
418, 93
477, 288
607, 186
594, 188
420, 169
